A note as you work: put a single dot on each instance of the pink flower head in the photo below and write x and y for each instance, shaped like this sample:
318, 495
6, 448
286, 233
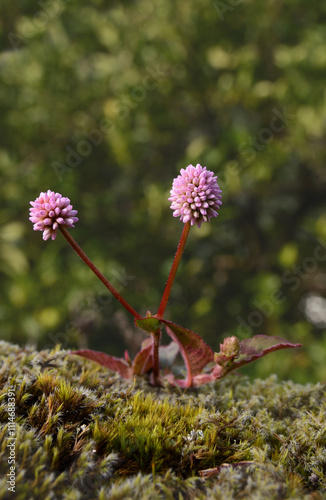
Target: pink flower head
195, 195
49, 211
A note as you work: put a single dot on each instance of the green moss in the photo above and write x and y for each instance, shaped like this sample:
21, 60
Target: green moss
82, 433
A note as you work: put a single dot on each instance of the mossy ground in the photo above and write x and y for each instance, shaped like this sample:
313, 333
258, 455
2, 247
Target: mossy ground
83, 433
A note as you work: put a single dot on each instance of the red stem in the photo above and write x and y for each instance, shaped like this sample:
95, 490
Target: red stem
90, 264
174, 268
155, 354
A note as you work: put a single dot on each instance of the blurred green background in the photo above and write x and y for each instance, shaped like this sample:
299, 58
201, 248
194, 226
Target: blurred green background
105, 103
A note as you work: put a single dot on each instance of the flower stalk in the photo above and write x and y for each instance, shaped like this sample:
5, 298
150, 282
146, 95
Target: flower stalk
98, 273
174, 268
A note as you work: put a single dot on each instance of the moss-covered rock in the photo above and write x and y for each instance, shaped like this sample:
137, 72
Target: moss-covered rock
83, 433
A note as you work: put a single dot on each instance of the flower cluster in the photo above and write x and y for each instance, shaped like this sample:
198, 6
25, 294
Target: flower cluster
49, 211
195, 195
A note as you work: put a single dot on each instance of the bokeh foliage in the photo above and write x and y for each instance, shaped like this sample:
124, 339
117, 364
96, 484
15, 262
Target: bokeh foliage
240, 89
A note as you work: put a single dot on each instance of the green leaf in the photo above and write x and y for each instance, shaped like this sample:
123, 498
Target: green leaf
150, 324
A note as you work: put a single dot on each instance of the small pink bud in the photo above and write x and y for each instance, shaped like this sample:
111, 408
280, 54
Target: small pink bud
230, 346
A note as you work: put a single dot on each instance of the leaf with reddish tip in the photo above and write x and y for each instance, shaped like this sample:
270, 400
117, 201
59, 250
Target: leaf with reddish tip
250, 349
200, 379
204, 378
194, 350
127, 357
118, 365
143, 361
258, 346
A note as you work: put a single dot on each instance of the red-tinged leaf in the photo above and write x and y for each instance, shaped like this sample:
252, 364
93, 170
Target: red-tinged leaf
183, 382
194, 350
127, 357
250, 349
200, 379
143, 361
204, 378
118, 365
258, 346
